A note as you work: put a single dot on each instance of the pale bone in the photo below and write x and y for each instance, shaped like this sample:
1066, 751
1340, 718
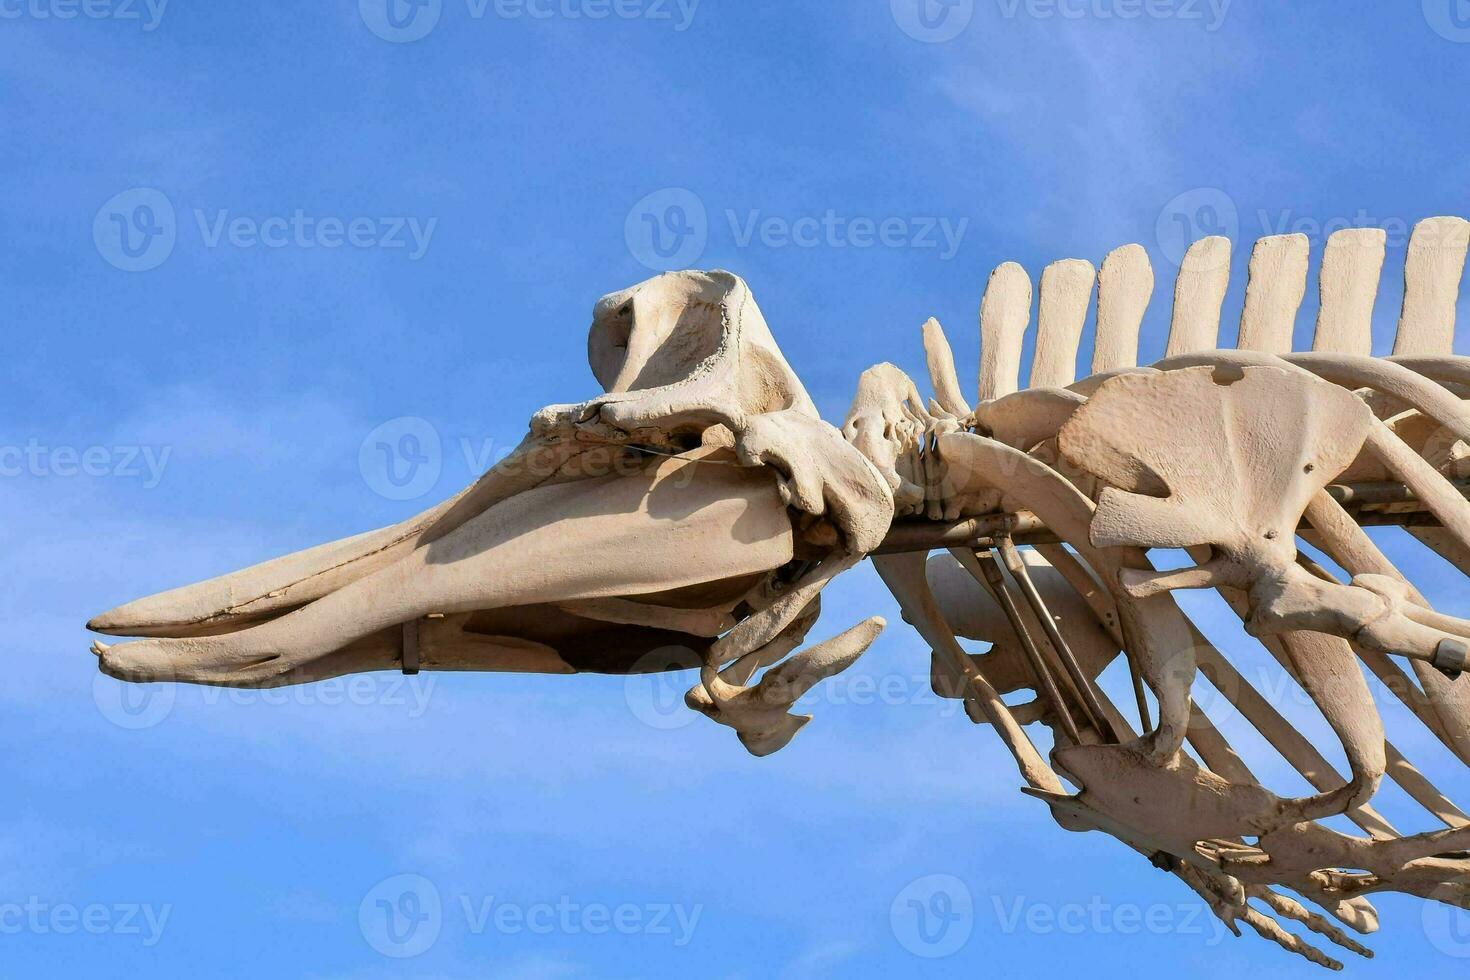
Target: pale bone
1198, 293
1061, 698
942, 376
1221, 472
1024, 419
1122, 784
974, 614
585, 550
1154, 626
1066, 291
1349, 545
1297, 912
1072, 669
1327, 669
1226, 895
1422, 791
888, 424
1432, 274
681, 350
1125, 284
1084, 634
685, 357
268, 589
905, 577
1292, 745
1278, 281
790, 637
1352, 265
1297, 750
1347, 371
699, 622
1085, 584
517, 553
1005, 313
972, 611
760, 714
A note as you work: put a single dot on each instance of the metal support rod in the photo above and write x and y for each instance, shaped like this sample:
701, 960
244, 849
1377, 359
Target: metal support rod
1080, 680
972, 532
1097, 598
410, 663
1382, 492
981, 533
1045, 681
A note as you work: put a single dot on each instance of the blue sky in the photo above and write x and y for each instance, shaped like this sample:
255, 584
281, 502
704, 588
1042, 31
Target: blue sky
336, 220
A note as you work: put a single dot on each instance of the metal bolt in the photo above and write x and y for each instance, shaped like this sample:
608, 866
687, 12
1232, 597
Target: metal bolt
1450, 657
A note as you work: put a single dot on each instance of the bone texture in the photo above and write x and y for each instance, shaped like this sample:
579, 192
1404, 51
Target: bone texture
691, 516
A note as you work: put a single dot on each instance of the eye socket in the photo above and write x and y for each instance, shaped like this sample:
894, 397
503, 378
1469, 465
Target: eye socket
620, 327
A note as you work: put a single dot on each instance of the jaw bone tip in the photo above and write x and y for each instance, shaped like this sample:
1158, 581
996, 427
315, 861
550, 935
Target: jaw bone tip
115, 621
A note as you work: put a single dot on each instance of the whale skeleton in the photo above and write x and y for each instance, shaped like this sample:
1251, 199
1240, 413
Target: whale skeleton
691, 516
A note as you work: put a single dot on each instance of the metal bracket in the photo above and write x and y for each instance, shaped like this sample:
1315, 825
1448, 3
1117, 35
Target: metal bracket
411, 647
1450, 657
